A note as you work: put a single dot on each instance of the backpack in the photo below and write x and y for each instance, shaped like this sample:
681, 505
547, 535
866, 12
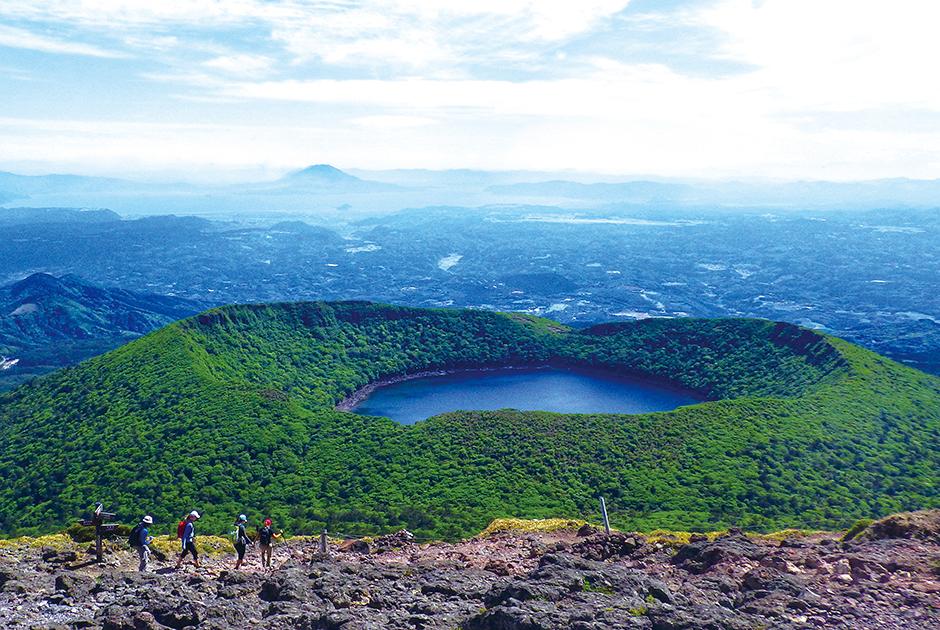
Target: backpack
264, 535
133, 539
181, 529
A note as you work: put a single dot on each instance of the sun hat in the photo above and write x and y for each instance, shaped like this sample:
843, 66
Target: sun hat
147, 519
194, 514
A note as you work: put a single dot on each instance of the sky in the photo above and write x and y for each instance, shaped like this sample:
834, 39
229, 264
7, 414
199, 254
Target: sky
778, 89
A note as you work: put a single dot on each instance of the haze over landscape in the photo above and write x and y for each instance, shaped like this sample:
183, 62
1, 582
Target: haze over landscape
435, 277
783, 89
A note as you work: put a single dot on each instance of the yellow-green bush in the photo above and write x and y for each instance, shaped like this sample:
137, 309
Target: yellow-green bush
531, 525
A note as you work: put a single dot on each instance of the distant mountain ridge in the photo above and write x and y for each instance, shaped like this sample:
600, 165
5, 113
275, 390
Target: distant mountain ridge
410, 188
48, 322
24, 216
795, 194
626, 192
42, 308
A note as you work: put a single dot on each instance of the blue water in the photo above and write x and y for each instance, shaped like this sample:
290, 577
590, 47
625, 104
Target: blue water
544, 389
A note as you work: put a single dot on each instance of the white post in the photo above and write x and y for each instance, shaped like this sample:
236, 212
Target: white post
604, 514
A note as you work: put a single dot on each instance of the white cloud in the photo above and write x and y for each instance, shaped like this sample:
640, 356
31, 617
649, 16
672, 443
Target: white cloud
136, 13
12, 37
835, 55
366, 33
245, 65
820, 89
392, 121
422, 35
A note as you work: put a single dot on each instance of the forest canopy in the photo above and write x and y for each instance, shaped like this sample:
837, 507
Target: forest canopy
232, 411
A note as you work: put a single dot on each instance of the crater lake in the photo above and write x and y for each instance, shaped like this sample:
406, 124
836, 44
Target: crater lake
562, 390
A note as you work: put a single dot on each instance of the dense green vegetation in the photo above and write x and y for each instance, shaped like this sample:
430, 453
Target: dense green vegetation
232, 411
47, 323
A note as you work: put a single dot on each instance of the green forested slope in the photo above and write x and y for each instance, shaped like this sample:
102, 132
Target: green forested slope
232, 411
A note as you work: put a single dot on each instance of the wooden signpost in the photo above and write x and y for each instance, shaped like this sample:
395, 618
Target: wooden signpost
97, 520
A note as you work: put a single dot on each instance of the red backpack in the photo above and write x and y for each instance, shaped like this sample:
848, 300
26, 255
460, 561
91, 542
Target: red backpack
180, 529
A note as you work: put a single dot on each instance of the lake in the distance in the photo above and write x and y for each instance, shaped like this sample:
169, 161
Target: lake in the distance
543, 389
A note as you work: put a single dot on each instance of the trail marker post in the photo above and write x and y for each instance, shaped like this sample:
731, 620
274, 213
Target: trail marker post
604, 514
97, 520
324, 549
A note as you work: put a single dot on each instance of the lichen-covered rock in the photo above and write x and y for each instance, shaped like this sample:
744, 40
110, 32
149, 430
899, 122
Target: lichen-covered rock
922, 525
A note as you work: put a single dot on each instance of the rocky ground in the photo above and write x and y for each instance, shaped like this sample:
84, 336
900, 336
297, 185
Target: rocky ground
889, 577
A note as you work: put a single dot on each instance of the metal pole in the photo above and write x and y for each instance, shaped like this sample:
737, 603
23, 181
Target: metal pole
604, 514
97, 520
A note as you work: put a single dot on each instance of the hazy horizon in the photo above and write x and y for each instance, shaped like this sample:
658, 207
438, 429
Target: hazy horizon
780, 90
226, 177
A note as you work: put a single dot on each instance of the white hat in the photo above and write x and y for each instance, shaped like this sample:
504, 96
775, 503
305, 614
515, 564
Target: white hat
242, 517
194, 514
147, 519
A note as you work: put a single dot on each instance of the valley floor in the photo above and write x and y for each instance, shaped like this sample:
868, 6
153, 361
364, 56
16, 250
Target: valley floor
888, 578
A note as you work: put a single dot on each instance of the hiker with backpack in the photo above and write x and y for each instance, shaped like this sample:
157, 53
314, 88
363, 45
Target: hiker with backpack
140, 538
266, 536
241, 539
186, 532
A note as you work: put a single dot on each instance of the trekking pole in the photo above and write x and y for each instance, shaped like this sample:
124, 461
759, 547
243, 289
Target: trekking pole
604, 514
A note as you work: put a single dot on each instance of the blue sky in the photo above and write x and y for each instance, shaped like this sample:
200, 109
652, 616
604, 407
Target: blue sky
785, 89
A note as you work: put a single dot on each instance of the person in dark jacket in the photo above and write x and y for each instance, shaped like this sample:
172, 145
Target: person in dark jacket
266, 536
143, 542
188, 540
241, 540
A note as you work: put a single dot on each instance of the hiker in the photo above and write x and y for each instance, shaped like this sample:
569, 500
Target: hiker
140, 537
188, 538
266, 536
241, 540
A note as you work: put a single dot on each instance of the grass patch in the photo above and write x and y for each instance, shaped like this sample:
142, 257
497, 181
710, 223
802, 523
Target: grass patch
531, 525
857, 528
587, 587
670, 537
783, 534
667, 537
55, 541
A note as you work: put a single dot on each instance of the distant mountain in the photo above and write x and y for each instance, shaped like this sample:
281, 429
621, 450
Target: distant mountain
23, 216
629, 192
18, 186
799, 194
47, 322
326, 177
467, 179
41, 309
322, 174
